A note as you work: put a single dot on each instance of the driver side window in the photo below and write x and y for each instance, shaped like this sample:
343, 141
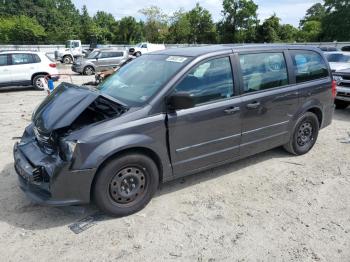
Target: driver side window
209, 81
263, 71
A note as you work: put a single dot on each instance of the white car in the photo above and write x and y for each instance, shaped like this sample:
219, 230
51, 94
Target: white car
26, 68
144, 48
338, 60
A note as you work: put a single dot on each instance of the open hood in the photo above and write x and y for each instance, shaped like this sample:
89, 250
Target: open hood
69, 103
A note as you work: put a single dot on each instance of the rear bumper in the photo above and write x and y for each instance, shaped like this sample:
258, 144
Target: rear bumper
47, 180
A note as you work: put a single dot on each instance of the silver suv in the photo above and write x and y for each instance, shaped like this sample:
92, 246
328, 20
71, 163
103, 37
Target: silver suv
99, 60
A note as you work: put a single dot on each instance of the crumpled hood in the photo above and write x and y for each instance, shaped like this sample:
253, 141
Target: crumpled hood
63, 107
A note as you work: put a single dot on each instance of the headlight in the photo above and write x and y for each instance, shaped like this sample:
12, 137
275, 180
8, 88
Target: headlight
338, 79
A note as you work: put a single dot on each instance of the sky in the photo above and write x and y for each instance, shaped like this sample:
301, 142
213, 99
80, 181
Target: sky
290, 11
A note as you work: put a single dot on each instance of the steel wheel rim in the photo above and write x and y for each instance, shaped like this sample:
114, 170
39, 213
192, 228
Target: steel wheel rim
128, 185
305, 134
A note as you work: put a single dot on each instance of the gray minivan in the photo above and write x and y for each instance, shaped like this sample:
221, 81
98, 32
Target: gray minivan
170, 114
99, 60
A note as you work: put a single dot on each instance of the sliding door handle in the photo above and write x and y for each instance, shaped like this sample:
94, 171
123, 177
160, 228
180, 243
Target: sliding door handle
254, 105
232, 110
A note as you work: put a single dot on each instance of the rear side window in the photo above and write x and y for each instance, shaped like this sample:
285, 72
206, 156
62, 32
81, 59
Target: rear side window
308, 66
20, 59
111, 54
3, 60
36, 58
338, 58
209, 81
263, 71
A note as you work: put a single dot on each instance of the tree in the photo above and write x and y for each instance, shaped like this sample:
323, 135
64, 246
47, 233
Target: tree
156, 27
106, 24
203, 30
21, 29
180, 28
310, 32
89, 30
269, 30
240, 21
336, 22
288, 33
314, 13
129, 31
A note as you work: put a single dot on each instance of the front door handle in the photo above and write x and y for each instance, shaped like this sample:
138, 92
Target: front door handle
232, 110
254, 105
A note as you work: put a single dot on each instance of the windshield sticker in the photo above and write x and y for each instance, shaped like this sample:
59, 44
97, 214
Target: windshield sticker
176, 59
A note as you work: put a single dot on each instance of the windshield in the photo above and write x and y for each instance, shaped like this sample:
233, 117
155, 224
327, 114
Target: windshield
338, 58
139, 45
135, 83
93, 54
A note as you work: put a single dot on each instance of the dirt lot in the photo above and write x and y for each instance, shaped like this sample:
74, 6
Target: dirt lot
270, 207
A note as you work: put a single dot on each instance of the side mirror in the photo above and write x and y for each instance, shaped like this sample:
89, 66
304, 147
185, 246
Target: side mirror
180, 101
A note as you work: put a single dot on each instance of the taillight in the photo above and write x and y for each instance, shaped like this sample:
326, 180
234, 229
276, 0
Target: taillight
334, 88
52, 65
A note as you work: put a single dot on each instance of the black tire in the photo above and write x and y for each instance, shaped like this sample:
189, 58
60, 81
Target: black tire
138, 54
67, 59
118, 198
37, 83
304, 135
88, 71
339, 104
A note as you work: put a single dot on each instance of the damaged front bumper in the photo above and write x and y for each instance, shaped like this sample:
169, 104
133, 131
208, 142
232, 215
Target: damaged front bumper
47, 179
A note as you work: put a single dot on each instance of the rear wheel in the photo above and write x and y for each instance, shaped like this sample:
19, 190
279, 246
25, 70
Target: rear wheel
126, 184
138, 54
339, 104
38, 82
304, 135
89, 70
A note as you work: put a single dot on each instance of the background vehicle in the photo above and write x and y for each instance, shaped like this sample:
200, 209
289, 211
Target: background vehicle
72, 51
342, 78
338, 60
144, 48
25, 68
170, 114
99, 60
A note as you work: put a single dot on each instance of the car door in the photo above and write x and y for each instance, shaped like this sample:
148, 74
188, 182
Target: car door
105, 60
210, 132
23, 66
116, 58
5, 75
269, 100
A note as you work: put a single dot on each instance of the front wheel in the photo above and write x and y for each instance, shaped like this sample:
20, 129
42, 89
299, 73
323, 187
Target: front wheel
126, 184
67, 59
304, 135
89, 70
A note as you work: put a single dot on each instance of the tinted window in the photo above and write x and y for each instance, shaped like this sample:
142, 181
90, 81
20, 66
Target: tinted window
37, 58
111, 54
308, 65
263, 71
209, 81
3, 60
18, 59
338, 58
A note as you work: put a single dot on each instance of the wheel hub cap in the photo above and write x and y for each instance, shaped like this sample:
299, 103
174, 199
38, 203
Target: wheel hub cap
127, 185
305, 135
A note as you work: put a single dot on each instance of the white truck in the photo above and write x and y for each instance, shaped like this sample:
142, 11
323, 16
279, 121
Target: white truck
70, 53
144, 48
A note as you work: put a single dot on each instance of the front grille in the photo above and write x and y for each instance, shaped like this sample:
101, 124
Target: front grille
46, 142
343, 94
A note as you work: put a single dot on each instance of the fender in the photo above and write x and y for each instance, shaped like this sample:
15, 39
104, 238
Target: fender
121, 143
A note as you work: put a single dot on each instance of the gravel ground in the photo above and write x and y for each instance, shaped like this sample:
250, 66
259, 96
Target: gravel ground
269, 207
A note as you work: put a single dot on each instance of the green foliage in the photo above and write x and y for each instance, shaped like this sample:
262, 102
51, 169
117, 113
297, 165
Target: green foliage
156, 27
20, 29
240, 21
202, 28
336, 22
55, 21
